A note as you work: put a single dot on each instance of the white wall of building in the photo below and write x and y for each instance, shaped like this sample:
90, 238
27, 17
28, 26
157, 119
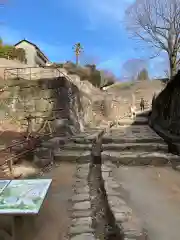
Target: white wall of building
39, 61
31, 54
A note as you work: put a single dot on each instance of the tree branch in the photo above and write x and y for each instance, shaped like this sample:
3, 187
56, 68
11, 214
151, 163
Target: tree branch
157, 23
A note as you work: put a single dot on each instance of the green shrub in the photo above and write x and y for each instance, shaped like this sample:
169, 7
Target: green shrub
10, 52
89, 73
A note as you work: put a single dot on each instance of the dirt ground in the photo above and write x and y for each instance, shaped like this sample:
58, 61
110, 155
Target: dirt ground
54, 218
154, 194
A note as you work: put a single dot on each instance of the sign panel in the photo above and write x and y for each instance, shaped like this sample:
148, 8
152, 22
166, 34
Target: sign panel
23, 196
3, 184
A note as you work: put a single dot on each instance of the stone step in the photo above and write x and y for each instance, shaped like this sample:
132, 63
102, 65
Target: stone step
136, 121
55, 142
139, 158
77, 146
134, 127
143, 114
72, 156
135, 147
85, 138
113, 139
82, 140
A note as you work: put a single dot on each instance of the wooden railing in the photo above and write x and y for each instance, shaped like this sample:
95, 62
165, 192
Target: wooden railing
30, 142
16, 150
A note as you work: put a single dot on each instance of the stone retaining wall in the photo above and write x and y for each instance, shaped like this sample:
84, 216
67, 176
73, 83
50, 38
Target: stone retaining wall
50, 99
165, 108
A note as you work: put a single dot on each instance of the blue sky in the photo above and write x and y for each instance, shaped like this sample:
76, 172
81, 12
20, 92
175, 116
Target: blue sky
56, 25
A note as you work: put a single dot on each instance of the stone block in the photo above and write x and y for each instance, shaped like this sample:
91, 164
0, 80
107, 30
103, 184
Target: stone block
82, 221
80, 197
43, 157
83, 236
81, 213
80, 229
82, 205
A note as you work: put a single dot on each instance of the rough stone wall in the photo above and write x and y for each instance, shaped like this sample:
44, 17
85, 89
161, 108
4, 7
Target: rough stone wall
115, 107
97, 105
58, 100
119, 109
165, 108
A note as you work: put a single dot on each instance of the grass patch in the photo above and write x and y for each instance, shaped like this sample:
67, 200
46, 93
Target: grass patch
123, 85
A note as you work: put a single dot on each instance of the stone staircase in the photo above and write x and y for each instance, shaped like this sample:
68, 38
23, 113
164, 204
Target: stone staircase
135, 143
78, 148
72, 148
132, 143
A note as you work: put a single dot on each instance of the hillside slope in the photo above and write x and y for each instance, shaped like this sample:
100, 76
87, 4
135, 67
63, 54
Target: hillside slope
145, 89
120, 96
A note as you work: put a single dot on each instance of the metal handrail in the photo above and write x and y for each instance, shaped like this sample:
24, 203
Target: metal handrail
31, 68
20, 72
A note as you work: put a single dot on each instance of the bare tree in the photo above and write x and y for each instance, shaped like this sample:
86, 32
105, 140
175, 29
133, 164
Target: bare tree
132, 67
157, 22
107, 78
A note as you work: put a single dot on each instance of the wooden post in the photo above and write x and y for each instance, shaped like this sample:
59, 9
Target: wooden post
10, 165
17, 228
29, 127
49, 126
23, 227
5, 74
30, 73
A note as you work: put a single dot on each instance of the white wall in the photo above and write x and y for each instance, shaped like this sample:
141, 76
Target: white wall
30, 52
39, 61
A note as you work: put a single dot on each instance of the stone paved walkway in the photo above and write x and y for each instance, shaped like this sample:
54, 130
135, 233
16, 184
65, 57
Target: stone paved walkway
81, 212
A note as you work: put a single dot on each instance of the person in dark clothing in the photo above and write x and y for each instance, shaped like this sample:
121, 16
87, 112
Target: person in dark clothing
142, 104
